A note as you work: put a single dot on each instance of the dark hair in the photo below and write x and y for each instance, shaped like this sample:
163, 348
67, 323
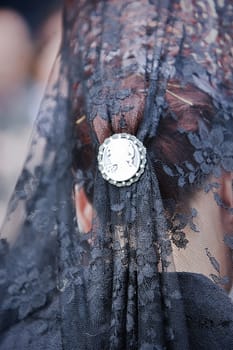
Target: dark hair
187, 106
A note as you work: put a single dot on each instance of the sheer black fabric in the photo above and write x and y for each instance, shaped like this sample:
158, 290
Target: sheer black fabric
88, 265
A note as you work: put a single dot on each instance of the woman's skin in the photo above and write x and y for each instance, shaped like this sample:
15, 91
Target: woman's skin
84, 210
212, 220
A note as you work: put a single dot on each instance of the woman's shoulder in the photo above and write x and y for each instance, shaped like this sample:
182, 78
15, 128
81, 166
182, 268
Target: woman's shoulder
208, 310
39, 330
207, 307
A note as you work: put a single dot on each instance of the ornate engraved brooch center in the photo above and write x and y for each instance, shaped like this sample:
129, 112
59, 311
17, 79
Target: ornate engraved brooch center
122, 159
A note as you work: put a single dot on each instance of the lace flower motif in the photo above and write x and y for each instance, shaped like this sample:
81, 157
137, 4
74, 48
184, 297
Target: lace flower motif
213, 152
29, 291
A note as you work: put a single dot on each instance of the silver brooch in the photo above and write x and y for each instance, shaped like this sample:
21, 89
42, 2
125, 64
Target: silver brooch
122, 159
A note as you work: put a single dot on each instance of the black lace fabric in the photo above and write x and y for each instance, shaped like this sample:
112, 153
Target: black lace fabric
88, 265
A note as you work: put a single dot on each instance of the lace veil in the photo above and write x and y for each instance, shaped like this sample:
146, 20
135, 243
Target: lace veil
112, 282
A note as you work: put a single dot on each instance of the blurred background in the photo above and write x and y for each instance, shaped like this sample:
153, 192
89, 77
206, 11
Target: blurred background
30, 34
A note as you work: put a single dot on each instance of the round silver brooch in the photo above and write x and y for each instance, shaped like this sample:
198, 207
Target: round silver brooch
122, 159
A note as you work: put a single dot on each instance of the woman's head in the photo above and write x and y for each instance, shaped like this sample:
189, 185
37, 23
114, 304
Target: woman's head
189, 156
175, 157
